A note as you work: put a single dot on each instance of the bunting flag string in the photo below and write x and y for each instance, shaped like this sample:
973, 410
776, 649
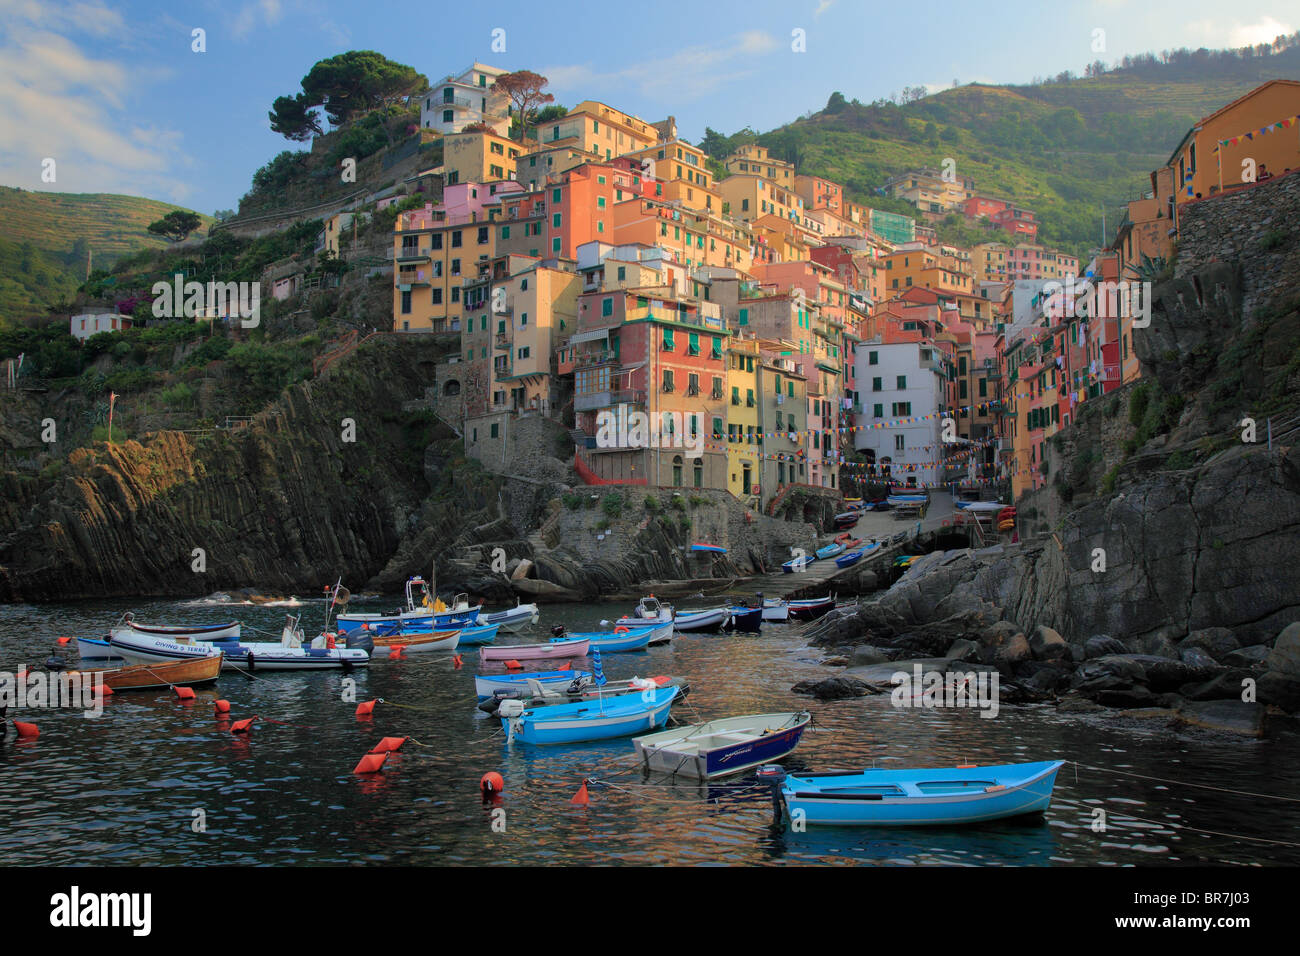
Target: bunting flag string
1250, 135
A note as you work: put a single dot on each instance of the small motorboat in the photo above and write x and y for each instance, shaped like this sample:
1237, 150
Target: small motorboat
775, 609
200, 632
829, 551
534, 694
710, 619
96, 649
288, 655
717, 748
747, 620
648, 609
513, 619
597, 719
485, 685
428, 612
556, 647
942, 797
472, 636
619, 640
394, 646
809, 608
183, 673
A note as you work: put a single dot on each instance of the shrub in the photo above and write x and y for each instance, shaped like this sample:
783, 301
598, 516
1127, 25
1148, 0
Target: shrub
1137, 406
651, 503
1108, 481
612, 504
679, 502
572, 502
180, 395
698, 500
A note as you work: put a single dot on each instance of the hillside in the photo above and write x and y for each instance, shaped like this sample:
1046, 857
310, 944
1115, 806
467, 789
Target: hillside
1067, 148
46, 236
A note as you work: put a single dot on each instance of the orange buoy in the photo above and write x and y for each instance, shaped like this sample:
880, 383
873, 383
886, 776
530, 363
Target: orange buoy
388, 745
513, 665
456, 662
581, 798
366, 707
662, 680
242, 726
397, 653
329, 642
103, 690
222, 706
184, 693
26, 731
491, 782
64, 640
371, 763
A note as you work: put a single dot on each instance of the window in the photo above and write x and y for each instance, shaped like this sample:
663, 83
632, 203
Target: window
902, 381
717, 387
505, 232
622, 273
437, 295
668, 340
716, 352
899, 443
692, 384
555, 195
555, 221
448, 116
668, 380
455, 239
744, 316
555, 244
494, 430
600, 202
878, 411
693, 347
873, 358
749, 397
735, 394
406, 303
607, 307
877, 384
436, 239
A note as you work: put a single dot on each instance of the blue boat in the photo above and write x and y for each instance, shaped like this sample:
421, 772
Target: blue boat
716, 748
485, 685
478, 635
941, 797
830, 550
853, 557
798, 564
598, 719
746, 619
620, 639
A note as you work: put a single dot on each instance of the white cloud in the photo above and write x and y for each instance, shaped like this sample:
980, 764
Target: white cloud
65, 104
1216, 34
822, 7
252, 15
689, 72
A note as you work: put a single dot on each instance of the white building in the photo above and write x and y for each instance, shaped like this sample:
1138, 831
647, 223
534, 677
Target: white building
92, 323
904, 386
459, 101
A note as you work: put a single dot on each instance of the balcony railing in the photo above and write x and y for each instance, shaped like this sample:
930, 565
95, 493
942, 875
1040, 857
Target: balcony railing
606, 399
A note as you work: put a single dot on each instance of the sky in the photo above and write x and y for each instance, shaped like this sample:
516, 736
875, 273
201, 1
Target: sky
118, 98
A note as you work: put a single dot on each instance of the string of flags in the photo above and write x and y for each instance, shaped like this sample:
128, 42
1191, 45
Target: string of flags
1262, 131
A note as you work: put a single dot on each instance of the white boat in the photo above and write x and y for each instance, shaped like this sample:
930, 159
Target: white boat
774, 609
648, 609
423, 612
513, 619
716, 748
709, 619
288, 655
485, 685
95, 649
199, 632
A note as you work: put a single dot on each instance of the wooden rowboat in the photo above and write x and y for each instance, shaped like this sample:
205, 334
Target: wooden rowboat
560, 648
199, 670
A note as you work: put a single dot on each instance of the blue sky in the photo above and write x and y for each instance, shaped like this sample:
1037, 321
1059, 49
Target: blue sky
115, 95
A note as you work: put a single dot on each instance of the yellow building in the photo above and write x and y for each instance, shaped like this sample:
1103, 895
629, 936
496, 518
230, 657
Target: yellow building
598, 129
531, 313
431, 261
478, 158
542, 166
754, 160
749, 197
744, 434
783, 413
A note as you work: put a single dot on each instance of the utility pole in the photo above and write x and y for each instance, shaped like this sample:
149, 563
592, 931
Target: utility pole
89, 253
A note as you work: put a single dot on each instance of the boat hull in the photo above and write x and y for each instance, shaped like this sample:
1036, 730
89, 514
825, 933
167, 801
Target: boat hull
485, 685
592, 720
807, 610
474, 636
255, 656
693, 621
535, 652
718, 748
387, 648
187, 673
212, 632
513, 620
778, 611
747, 620
612, 642
945, 797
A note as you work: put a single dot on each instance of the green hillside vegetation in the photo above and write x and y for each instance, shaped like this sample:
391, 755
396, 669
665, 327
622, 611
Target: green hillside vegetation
1068, 148
47, 236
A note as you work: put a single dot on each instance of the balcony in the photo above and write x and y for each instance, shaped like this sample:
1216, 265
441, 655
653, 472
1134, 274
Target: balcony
502, 340
607, 399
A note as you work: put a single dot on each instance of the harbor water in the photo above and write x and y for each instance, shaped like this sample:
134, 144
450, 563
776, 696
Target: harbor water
156, 781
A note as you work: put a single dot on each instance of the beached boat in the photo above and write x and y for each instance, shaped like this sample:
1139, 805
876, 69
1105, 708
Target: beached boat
648, 609
557, 647
710, 619
850, 558
808, 608
709, 548
290, 654
200, 632
513, 619
978, 506
747, 620
184, 673
847, 520
716, 748
485, 685
902, 501
799, 563
829, 551
619, 640
598, 719
939, 797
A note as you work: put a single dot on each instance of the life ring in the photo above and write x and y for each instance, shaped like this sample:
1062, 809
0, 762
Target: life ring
620, 629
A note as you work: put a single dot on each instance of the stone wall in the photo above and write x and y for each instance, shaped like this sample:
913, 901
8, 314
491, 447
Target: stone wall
524, 443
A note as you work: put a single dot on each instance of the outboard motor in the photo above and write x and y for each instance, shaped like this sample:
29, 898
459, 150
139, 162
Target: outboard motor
360, 640
557, 631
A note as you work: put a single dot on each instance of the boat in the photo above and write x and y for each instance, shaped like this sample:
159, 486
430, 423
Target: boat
183, 673
980, 505
473, 636
799, 563
904, 501
648, 609
775, 609
485, 685
414, 642
747, 620
808, 608
556, 647
512, 619
200, 632
289, 654
428, 612
619, 640
846, 520
534, 694
919, 797
717, 748
829, 551
710, 619
850, 558
96, 649
709, 548
598, 719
